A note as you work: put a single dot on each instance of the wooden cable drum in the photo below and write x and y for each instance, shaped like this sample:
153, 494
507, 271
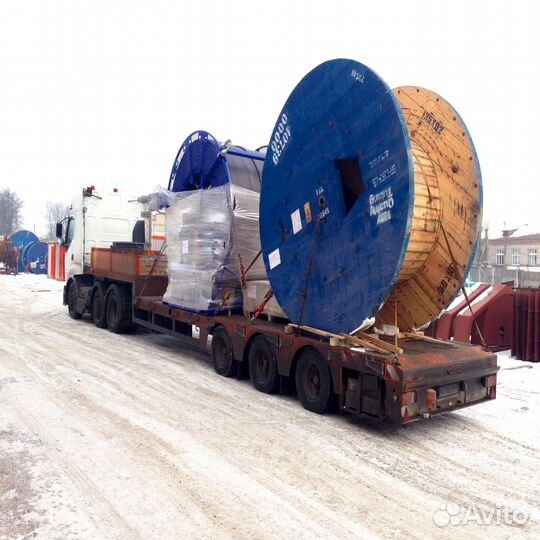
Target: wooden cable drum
446, 214
336, 197
368, 195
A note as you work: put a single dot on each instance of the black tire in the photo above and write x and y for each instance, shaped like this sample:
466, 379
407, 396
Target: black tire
72, 302
118, 310
263, 370
314, 382
222, 353
98, 311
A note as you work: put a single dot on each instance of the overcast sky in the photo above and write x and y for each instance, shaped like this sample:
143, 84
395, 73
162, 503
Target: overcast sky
104, 93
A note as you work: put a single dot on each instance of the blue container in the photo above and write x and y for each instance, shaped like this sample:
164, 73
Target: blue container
337, 197
37, 253
20, 240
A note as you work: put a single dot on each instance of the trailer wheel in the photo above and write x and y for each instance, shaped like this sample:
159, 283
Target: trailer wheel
118, 310
314, 382
263, 366
98, 306
222, 353
72, 302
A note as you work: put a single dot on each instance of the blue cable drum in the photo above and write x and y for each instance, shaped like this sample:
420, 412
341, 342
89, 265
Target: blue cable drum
203, 162
37, 253
20, 240
24, 254
337, 197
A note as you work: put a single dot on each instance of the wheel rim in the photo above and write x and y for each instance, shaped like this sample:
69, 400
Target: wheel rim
312, 381
262, 367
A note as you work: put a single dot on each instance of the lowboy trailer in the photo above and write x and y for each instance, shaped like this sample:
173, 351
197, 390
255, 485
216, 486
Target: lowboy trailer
422, 378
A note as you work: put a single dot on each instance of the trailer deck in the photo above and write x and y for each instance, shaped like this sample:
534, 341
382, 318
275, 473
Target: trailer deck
421, 378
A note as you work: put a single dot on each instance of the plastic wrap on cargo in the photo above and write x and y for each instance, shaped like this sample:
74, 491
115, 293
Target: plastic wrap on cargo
162, 198
210, 234
246, 240
202, 265
254, 297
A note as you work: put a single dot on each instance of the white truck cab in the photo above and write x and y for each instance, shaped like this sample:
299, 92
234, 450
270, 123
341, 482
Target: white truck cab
96, 220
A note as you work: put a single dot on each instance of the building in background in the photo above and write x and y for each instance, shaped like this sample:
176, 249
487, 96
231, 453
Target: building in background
514, 256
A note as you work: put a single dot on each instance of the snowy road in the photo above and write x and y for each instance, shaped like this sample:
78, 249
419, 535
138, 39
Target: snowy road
127, 437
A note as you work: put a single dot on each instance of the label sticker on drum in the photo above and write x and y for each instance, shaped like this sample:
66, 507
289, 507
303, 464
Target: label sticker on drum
381, 204
185, 247
296, 221
307, 211
274, 259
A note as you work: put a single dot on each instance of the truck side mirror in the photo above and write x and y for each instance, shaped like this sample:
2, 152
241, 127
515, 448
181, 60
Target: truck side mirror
59, 230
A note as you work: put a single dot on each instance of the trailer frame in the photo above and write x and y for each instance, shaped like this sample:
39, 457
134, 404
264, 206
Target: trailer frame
427, 378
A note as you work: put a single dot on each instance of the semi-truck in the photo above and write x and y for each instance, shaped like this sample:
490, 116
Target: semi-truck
116, 279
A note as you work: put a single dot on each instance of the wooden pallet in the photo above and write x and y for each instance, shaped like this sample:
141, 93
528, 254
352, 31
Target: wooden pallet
361, 339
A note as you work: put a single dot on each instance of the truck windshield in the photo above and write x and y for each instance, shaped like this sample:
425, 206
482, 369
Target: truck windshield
70, 229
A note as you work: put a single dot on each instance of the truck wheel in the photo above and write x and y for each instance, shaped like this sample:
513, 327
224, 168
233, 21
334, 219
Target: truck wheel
263, 366
222, 353
118, 310
72, 302
98, 306
314, 382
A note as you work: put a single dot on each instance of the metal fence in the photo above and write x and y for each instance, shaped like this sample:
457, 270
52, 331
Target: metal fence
502, 274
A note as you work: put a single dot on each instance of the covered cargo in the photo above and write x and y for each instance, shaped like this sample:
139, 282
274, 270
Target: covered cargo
212, 225
201, 263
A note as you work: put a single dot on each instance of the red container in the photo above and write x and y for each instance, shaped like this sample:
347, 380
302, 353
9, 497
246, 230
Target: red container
529, 337
55, 262
526, 334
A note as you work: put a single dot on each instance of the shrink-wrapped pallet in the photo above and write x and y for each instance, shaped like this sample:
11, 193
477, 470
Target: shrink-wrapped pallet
201, 266
208, 233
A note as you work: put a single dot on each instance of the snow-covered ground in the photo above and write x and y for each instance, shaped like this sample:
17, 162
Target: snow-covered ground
126, 437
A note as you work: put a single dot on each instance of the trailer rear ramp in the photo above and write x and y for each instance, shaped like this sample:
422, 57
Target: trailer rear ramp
439, 376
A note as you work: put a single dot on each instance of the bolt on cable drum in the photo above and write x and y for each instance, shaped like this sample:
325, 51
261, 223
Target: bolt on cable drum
367, 196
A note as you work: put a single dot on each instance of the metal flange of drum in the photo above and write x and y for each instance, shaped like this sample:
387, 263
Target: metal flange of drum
36, 253
447, 211
24, 254
20, 240
203, 162
337, 197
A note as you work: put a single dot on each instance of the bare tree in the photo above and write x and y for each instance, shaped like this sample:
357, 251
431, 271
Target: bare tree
10, 211
54, 213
